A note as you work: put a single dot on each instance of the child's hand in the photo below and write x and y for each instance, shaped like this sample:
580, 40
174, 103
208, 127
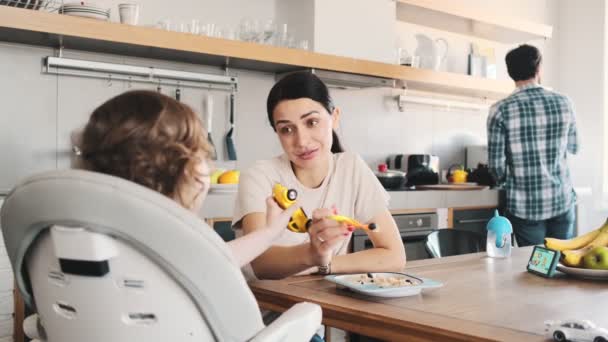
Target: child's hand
277, 218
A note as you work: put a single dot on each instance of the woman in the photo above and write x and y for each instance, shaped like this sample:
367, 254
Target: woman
328, 181
158, 142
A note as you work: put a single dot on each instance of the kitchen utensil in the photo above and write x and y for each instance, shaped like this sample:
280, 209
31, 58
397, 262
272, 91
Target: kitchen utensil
230, 148
430, 51
209, 113
390, 179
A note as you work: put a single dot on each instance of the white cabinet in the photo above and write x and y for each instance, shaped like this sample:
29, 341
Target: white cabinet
362, 29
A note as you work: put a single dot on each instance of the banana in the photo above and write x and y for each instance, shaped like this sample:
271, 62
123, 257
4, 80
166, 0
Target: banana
577, 242
574, 257
352, 222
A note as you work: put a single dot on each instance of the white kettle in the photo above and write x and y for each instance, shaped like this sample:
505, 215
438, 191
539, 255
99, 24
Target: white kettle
432, 52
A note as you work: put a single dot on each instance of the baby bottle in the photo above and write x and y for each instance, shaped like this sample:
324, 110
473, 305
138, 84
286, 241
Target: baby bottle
499, 237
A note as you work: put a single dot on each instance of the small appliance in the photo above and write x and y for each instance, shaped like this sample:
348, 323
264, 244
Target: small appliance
421, 169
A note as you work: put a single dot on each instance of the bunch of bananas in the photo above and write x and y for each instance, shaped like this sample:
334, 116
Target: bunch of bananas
299, 221
573, 250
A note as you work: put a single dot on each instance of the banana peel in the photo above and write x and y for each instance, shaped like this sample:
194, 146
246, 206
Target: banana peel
299, 221
574, 257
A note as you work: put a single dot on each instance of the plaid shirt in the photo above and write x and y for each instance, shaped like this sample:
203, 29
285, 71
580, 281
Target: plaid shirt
529, 135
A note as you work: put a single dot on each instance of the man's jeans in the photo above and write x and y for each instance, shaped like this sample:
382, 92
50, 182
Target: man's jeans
528, 232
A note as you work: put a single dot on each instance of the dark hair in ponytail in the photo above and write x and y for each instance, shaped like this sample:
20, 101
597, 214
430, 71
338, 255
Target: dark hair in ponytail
302, 84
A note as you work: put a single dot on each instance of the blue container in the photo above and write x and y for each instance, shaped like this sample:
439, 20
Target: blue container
499, 229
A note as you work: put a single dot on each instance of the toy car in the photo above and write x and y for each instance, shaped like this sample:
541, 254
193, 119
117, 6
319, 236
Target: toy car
575, 330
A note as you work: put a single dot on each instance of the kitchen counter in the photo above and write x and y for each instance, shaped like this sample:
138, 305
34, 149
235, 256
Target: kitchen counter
221, 205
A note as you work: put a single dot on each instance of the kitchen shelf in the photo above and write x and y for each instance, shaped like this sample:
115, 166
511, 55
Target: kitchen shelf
454, 16
55, 30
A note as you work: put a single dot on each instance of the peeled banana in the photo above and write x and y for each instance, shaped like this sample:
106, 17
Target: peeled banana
574, 250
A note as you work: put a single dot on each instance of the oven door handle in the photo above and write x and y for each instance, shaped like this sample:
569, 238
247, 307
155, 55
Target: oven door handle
417, 233
483, 220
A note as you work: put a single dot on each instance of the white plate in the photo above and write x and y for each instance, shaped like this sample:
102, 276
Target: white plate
87, 15
68, 10
583, 272
361, 283
223, 187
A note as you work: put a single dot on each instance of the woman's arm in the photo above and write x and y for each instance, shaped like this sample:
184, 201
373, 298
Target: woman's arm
281, 261
388, 254
248, 247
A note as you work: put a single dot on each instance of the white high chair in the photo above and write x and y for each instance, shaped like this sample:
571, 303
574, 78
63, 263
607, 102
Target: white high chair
100, 258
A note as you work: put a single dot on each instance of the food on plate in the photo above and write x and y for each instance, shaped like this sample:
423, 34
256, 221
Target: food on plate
229, 177
597, 258
574, 250
383, 281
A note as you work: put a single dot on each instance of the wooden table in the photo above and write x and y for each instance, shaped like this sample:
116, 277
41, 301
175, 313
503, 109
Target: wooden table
483, 299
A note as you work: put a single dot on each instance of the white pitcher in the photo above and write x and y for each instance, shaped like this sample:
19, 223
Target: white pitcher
432, 52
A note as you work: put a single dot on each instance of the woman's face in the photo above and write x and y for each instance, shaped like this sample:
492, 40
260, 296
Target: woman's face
305, 129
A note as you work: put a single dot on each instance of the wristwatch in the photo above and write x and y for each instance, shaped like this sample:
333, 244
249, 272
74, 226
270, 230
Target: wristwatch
324, 270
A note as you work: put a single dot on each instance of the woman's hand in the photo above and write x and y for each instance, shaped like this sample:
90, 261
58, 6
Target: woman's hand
277, 218
325, 236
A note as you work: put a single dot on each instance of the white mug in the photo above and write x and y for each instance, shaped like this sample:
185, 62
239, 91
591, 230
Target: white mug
129, 13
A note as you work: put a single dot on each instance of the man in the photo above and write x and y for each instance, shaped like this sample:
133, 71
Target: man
529, 135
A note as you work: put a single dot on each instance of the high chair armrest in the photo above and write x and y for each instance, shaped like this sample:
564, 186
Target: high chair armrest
299, 323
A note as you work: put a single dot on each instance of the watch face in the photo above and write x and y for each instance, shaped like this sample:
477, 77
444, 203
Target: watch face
324, 269
542, 260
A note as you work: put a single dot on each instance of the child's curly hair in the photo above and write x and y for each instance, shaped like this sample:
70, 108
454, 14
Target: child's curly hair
148, 138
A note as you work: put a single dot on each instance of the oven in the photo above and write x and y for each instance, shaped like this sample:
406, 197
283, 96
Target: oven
413, 229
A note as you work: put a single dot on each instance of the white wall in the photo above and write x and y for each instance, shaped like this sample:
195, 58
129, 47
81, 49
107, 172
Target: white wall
581, 37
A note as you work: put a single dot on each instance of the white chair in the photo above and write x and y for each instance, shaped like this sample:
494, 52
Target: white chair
100, 258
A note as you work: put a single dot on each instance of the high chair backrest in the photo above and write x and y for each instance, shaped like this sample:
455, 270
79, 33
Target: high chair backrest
104, 259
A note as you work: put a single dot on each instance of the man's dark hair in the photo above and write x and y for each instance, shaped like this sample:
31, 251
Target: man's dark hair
522, 62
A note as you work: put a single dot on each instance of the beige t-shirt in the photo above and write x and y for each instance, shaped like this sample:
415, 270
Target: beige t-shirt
350, 185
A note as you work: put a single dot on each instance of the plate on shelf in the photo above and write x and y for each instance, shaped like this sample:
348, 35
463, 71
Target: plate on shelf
384, 284
223, 188
583, 272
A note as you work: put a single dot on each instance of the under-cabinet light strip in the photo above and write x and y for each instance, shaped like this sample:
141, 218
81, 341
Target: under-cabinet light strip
53, 64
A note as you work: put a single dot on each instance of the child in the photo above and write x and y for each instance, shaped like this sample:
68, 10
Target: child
160, 143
